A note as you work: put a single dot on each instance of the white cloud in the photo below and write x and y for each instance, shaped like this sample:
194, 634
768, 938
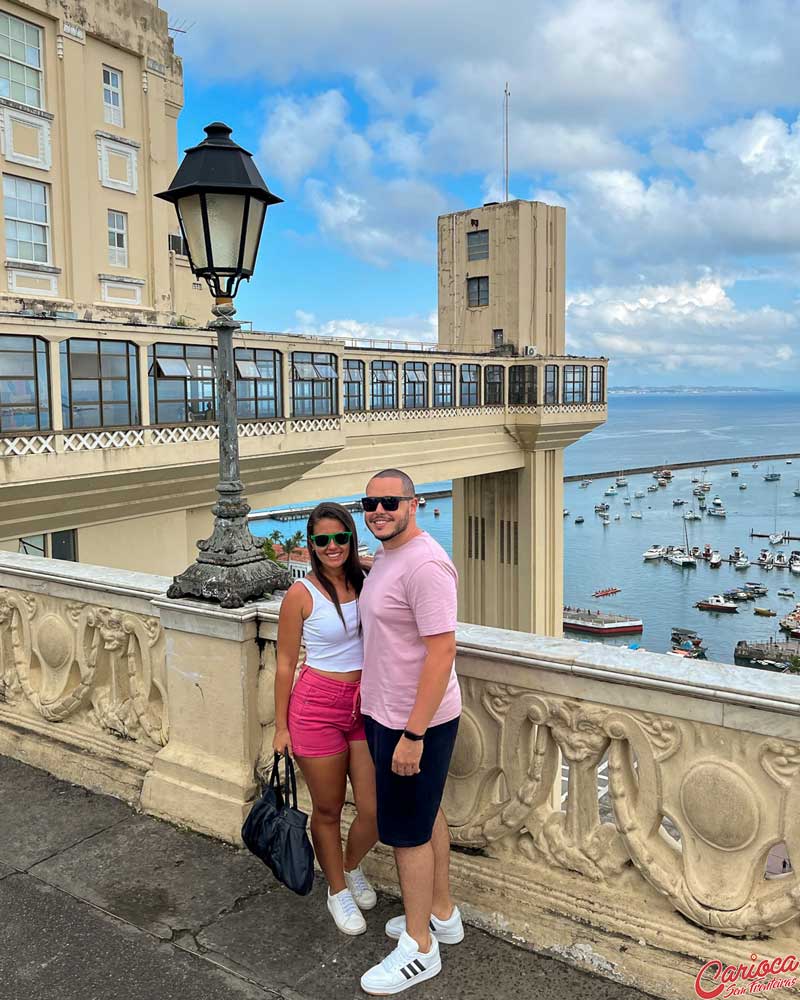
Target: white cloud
419, 329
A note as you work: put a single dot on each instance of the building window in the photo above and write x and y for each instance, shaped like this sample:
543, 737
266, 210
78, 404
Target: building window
522, 385
313, 384
258, 384
20, 61
182, 383
353, 385
598, 384
99, 383
470, 385
33, 545
478, 245
112, 96
444, 385
493, 394
24, 384
415, 388
27, 220
497, 338
384, 385
64, 545
477, 291
574, 384
551, 385
117, 239
177, 244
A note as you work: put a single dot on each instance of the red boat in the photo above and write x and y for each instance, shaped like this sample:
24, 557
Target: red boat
607, 592
599, 623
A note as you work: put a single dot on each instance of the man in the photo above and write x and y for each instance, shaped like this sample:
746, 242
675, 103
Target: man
411, 703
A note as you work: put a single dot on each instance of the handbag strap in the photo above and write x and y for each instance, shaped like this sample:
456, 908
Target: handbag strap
275, 780
291, 799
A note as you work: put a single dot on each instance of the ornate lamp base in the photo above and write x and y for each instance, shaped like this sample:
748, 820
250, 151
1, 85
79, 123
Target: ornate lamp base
231, 568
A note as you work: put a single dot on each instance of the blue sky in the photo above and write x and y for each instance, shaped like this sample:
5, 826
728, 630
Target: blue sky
662, 126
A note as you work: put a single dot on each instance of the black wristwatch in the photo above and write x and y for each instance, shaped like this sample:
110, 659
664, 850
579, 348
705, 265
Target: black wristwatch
414, 737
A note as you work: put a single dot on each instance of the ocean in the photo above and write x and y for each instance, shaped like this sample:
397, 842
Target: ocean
656, 431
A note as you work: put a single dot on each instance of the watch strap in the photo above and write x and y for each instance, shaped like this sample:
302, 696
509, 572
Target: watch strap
414, 737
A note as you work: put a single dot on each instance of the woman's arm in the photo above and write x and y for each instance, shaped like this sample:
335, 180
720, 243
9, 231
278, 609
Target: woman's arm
294, 609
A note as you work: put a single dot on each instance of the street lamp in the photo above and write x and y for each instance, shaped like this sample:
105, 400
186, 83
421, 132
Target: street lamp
221, 201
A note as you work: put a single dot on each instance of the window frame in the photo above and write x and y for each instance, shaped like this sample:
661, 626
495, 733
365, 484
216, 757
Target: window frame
108, 109
354, 401
469, 392
328, 386
480, 283
523, 388
46, 225
69, 403
489, 379
378, 398
415, 390
478, 254
42, 387
262, 402
190, 401
26, 66
597, 385
551, 385
114, 252
573, 389
444, 385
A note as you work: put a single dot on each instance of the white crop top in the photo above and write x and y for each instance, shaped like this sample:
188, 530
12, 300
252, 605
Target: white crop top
328, 646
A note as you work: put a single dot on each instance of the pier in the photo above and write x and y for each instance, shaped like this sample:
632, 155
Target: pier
696, 464
774, 650
786, 536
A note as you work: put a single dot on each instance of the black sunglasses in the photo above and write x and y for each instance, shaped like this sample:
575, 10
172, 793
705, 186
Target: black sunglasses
370, 504
323, 541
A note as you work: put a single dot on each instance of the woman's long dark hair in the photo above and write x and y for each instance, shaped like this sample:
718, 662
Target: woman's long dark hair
353, 573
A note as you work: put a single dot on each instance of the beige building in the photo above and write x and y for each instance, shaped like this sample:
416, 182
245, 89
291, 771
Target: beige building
108, 434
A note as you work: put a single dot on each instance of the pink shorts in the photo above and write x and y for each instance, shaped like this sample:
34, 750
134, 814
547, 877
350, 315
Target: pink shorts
324, 715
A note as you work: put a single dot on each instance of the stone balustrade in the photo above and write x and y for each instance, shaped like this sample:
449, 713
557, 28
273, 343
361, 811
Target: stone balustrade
169, 704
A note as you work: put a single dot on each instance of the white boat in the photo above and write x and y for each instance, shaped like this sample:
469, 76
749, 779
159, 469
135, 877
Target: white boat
421, 501
692, 515
652, 489
621, 481
601, 508
717, 512
785, 592
772, 476
706, 487
617, 517
734, 473
655, 552
585, 483
781, 560
639, 494
663, 482
695, 479
637, 514
579, 519
678, 557
565, 512
716, 560
606, 520
742, 486
717, 501
765, 558
776, 538
741, 563
627, 501
610, 492
678, 502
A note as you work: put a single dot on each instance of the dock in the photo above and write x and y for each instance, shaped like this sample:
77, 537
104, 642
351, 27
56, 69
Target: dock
777, 651
786, 536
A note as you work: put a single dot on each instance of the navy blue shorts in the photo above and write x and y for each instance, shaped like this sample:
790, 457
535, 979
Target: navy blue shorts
407, 806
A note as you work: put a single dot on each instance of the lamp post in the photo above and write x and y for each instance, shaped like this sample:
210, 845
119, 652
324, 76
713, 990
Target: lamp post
221, 201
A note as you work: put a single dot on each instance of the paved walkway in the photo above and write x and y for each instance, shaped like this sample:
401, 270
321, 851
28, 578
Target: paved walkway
99, 903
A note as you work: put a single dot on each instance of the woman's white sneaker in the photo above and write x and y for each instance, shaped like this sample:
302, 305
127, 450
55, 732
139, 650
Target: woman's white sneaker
346, 915
362, 891
404, 967
450, 931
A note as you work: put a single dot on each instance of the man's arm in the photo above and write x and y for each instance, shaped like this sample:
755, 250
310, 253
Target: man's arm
435, 676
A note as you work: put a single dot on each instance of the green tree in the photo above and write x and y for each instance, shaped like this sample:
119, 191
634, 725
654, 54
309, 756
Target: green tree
293, 542
289, 543
794, 665
270, 542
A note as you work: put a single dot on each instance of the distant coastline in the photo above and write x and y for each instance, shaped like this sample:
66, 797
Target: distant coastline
687, 390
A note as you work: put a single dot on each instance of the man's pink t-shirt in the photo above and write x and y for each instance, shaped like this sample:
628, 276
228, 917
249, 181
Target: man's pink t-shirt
410, 592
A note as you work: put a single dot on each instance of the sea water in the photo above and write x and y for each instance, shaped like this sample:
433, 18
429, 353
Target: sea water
656, 431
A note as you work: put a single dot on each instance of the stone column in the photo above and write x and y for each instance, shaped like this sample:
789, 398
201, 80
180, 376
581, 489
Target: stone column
204, 776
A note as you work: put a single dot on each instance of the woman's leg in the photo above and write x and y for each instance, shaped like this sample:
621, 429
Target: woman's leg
326, 778
363, 833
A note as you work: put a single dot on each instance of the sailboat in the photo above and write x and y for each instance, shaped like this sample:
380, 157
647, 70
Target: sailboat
776, 537
772, 476
797, 491
683, 556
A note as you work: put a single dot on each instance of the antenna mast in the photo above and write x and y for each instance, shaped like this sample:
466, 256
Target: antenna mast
506, 95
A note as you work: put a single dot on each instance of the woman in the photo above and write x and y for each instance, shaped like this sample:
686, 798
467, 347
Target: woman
320, 722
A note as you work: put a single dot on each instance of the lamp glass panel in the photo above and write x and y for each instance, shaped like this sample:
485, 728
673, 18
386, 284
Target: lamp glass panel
191, 216
225, 213
254, 221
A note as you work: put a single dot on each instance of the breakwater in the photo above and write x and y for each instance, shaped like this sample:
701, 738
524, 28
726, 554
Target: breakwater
706, 463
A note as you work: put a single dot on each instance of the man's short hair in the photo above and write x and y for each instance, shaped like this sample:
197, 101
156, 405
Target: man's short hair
408, 483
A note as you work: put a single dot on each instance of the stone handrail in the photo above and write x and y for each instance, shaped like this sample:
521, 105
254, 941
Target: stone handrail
169, 704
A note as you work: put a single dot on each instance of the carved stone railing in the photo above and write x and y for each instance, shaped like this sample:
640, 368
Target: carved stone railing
621, 811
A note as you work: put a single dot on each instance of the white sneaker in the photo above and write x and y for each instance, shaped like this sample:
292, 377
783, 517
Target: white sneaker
345, 913
405, 966
362, 891
450, 931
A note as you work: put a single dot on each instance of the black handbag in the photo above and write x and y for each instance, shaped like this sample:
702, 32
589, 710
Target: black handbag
275, 831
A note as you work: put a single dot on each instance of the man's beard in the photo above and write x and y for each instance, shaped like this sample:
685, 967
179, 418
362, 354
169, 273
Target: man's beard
401, 527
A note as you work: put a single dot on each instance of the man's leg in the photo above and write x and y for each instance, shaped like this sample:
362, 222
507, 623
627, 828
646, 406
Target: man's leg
442, 905
416, 870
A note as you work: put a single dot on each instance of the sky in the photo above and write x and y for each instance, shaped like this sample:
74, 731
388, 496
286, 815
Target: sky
669, 129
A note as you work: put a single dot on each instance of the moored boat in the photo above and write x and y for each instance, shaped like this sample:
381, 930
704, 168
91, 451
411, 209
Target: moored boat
716, 560
734, 473
638, 495
764, 612
655, 552
717, 512
579, 519
600, 623
637, 514
610, 492
717, 603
